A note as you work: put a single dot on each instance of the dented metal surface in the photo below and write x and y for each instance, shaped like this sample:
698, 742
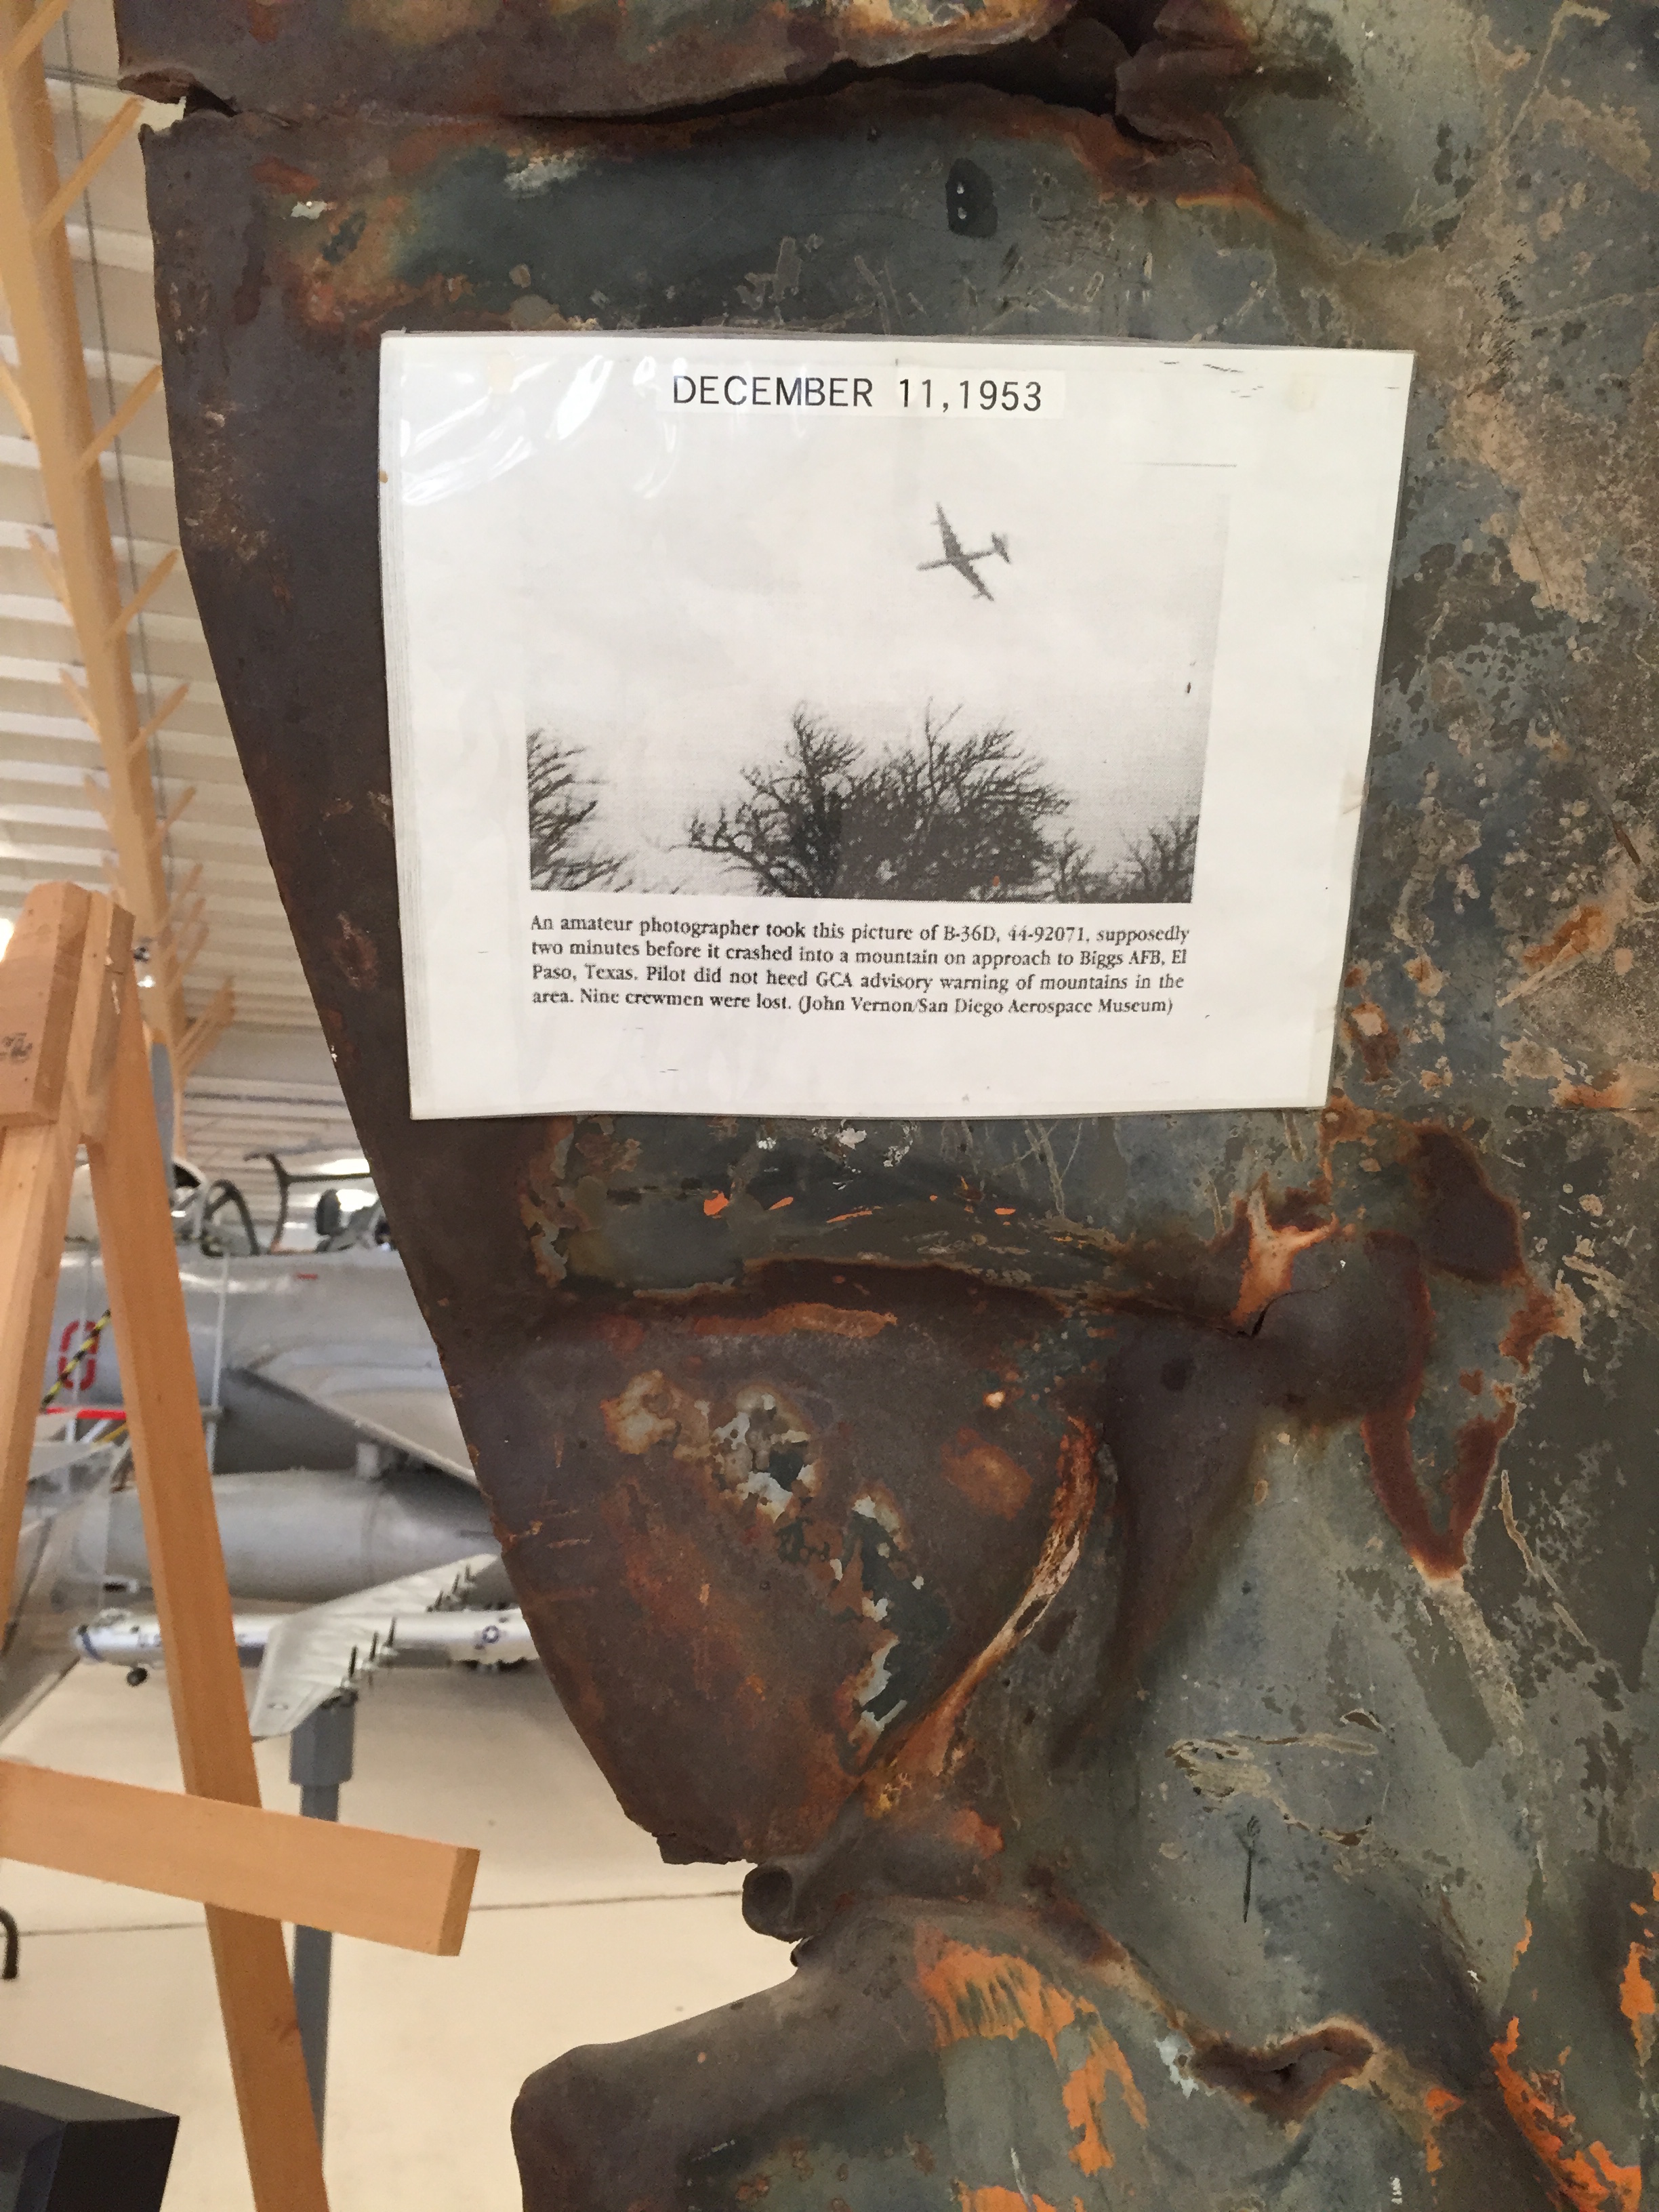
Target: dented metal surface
1166, 1600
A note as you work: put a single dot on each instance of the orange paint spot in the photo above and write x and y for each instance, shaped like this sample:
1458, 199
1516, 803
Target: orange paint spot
973, 1994
1522, 1948
859, 1214
1637, 1999
1439, 2105
778, 1205
1083, 2094
1636, 1994
717, 1204
1003, 1212
986, 1476
1590, 2182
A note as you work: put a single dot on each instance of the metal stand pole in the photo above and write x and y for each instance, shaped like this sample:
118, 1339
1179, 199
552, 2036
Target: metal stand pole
318, 1760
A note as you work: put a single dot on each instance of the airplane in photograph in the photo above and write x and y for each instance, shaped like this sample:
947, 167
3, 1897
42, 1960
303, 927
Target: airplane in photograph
964, 563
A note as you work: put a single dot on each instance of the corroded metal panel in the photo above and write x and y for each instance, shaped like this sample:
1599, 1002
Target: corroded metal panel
1165, 1600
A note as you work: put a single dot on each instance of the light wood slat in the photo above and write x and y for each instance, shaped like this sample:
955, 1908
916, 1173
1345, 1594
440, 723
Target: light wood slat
381, 1888
122, 124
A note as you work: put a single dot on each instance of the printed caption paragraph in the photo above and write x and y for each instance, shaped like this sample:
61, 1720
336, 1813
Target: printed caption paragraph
1047, 970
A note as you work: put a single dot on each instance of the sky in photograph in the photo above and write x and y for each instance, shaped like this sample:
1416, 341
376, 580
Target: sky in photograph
665, 591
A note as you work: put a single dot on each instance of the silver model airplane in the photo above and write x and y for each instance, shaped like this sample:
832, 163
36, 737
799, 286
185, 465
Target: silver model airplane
341, 1466
307, 1658
962, 561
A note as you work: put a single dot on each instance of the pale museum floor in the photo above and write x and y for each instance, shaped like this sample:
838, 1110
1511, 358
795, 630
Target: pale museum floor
579, 1934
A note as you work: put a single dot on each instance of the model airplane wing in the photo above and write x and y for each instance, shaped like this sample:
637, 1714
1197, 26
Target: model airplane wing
952, 543
405, 1403
312, 1656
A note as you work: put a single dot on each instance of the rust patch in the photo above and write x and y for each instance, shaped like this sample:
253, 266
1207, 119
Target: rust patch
1626, 1091
1538, 1315
925, 1753
354, 953
1366, 1027
788, 1320
1286, 2080
1276, 1236
986, 1476
283, 177
1440, 1552
1469, 1229
1588, 930
1590, 2181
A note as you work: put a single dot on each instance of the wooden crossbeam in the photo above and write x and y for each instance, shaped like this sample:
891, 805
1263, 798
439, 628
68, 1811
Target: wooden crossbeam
206, 1030
357, 1881
173, 813
148, 384
47, 562
34, 29
120, 126
12, 391
61, 924
128, 613
168, 707
191, 948
81, 703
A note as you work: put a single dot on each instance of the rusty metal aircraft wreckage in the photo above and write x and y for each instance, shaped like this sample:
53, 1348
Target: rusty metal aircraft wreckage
1246, 1800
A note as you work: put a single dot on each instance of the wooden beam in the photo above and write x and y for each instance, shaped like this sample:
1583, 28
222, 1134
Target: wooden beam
149, 383
81, 703
130, 1188
12, 391
97, 793
173, 814
168, 707
120, 126
46, 561
130, 1193
35, 28
205, 1031
358, 1882
129, 612
38, 977
37, 1162
191, 949
38, 278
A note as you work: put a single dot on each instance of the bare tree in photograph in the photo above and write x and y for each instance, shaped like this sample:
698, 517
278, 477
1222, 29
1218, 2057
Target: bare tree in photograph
969, 818
1156, 870
561, 802
941, 818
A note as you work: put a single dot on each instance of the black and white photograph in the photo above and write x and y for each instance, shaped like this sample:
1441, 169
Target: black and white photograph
877, 726
886, 661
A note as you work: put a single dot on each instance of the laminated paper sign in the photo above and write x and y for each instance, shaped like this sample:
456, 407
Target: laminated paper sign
815, 726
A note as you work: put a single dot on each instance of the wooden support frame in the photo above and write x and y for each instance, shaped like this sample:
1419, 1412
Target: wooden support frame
76, 1070
51, 397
